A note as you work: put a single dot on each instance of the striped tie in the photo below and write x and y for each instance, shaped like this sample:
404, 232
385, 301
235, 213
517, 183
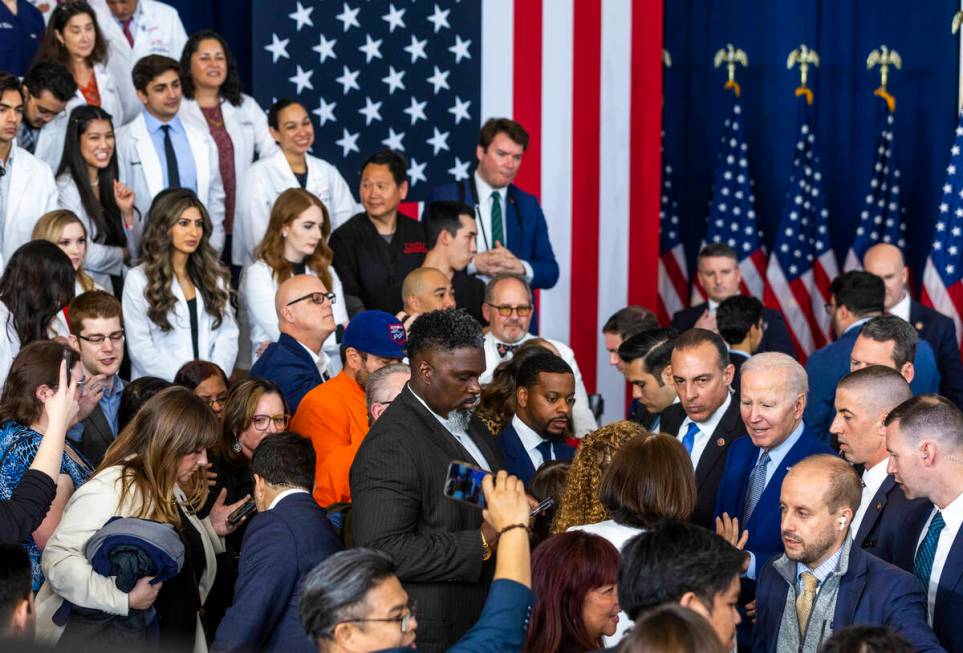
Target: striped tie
498, 229
923, 564
757, 483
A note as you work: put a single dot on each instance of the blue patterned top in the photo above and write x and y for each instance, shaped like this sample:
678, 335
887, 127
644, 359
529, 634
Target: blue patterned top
18, 446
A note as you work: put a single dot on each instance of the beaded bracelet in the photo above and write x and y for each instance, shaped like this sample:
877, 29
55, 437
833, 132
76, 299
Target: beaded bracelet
510, 527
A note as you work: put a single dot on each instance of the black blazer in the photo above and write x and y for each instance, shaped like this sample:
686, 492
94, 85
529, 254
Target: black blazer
397, 483
97, 437
887, 520
775, 338
940, 331
713, 460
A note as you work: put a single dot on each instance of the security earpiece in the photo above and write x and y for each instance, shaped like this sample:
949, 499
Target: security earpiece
842, 523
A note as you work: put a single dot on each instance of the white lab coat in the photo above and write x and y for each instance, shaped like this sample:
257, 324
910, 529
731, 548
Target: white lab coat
140, 168
10, 341
159, 31
270, 177
257, 290
33, 192
157, 353
50, 142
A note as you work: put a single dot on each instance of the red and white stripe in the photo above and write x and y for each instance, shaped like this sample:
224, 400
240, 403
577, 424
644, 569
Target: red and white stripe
673, 283
802, 302
753, 269
948, 301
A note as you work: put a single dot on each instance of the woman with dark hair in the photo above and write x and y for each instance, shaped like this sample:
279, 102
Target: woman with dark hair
576, 602
35, 288
213, 101
207, 381
177, 303
137, 393
296, 242
88, 185
65, 230
290, 167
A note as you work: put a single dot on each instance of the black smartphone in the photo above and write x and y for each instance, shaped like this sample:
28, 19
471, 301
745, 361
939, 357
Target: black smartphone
71, 357
542, 506
239, 514
464, 483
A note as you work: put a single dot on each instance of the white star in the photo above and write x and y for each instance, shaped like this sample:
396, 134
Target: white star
417, 110
371, 111
460, 49
416, 49
325, 112
278, 48
348, 17
439, 18
460, 170
955, 150
416, 171
348, 79
394, 18
394, 140
302, 79
460, 110
439, 141
325, 48
302, 16
951, 169
371, 48
348, 142
439, 79
393, 80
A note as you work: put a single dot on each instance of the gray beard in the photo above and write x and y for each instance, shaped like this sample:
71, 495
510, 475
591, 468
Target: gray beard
458, 419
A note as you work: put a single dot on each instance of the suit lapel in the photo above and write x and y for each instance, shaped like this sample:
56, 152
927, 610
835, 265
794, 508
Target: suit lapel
513, 221
950, 580
770, 496
515, 455
851, 587
438, 434
719, 441
875, 509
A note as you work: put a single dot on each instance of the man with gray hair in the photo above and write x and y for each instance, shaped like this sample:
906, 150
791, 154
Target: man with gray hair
888, 340
383, 387
924, 437
822, 582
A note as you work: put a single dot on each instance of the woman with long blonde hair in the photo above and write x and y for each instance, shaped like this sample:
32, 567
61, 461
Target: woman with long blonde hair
65, 230
156, 469
177, 303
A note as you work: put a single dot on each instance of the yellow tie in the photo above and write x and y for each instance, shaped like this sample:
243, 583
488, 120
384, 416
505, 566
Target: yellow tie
805, 600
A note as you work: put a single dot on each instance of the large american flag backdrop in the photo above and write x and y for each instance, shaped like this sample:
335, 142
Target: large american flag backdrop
583, 76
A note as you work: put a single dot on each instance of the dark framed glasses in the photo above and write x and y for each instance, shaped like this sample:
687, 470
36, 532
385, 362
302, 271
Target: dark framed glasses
316, 298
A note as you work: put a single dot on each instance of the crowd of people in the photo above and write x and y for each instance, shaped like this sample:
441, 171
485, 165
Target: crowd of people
234, 399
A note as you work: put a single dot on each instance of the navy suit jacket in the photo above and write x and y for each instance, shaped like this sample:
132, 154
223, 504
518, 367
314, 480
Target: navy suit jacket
871, 592
775, 337
525, 226
940, 332
280, 547
828, 365
290, 367
517, 460
889, 516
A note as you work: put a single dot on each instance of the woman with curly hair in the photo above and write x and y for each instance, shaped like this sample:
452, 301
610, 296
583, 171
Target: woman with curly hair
177, 303
496, 404
580, 501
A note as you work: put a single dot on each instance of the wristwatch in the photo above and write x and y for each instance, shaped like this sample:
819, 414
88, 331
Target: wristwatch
486, 549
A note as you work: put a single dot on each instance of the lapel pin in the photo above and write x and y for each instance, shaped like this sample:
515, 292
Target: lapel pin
879, 505
919, 326
721, 442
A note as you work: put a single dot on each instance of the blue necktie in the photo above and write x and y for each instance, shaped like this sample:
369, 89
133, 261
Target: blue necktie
757, 483
923, 564
688, 440
545, 448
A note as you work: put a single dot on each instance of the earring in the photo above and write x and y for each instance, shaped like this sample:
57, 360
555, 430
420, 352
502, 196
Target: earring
236, 447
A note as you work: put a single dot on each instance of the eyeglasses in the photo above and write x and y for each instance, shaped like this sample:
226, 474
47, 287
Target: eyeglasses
261, 422
220, 400
523, 311
316, 298
116, 338
405, 620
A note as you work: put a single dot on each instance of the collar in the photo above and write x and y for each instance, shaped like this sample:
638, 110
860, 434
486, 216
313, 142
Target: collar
154, 124
528, 437
286, 493
135, 18
485, 191
777, 453
953, 514
438, 417
708, 427
317, 358
740, 353
713, 305
874, 476
10, 156
115, 388
823, 571
902, 308
858, 324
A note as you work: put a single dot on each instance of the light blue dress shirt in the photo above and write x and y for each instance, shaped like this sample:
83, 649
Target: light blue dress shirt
182, 149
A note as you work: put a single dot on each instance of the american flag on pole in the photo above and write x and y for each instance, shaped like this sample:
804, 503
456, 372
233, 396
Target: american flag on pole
423, 76
732, 216
803, 264
881, 220
673, 271
942, 287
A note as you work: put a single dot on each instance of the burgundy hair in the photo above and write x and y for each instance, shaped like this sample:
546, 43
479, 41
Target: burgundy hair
565, 568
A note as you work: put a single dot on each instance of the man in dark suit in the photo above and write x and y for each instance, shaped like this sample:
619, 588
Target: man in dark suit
442, 547
544, 395
646, 357
284, 541
886, 262
739, 319
924, 436
295, 363
888, 340
706, 420
863, 399
718, 271
513, 233
822, 583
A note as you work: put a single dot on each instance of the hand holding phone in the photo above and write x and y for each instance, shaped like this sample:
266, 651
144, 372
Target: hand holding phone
239, 514
464, 483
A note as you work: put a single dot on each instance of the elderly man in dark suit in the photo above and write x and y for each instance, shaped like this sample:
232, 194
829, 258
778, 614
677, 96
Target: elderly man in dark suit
442, 547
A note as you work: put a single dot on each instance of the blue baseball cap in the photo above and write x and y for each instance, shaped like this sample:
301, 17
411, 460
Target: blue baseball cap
378, 333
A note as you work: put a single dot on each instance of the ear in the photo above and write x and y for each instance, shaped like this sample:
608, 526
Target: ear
908, 371
729, 373
275, 134
21, 616
142, 97
479, 152
667, 375
74, 342
42, 393
377, 410
343, 635
487, 312
800, 406
521, 396
403, 189
424, 369
928, 452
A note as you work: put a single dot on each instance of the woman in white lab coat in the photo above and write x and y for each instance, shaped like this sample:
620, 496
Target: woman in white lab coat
213, 102
296, 242
291, 167
65, 230
177, 303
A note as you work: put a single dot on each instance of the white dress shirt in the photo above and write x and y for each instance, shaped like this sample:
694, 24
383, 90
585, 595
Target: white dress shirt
530, 440
483, 213
294, 490
460, 434
902, 308
320, 360
953, 517
872, 480
705, 431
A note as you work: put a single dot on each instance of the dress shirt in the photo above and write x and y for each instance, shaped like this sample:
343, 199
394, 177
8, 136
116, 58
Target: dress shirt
134, 19
953, 517
713, 305
777, 453
321, 361
294, 490
821, 572
705, 431
182, 149
858, 324
872, 480
530, 440
483, 211
902, 308
460, 434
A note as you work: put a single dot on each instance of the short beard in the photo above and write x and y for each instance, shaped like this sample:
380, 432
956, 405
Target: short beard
458, 419
816, 549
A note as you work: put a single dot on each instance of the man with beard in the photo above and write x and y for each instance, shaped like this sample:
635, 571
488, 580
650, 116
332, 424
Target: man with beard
822, 583
443, 548
544, 395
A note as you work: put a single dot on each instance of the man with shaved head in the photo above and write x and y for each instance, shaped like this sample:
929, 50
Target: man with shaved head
822, 583
451, 237
426, 289
886, 261
295, 363
863, 400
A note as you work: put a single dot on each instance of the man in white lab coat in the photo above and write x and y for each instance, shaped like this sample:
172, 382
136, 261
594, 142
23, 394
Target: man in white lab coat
47, 89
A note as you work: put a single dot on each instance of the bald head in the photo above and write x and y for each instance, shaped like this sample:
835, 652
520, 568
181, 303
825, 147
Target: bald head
304, 311
886, 262
297, 286
427, 289
842, 485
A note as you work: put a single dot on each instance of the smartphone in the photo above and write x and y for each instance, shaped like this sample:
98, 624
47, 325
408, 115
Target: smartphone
464, 483
239, 514
542, 506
